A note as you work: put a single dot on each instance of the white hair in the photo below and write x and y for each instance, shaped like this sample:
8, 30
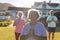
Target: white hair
51, 11
35, 10
21, 13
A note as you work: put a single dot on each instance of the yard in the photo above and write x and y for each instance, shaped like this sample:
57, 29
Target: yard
7, 33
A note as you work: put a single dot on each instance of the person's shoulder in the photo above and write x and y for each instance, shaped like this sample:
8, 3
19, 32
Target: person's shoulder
16, 19
23, 19
54, 16
39, 23
48, 16
27, 25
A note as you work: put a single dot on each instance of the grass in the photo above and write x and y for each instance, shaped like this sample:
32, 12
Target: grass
7, 33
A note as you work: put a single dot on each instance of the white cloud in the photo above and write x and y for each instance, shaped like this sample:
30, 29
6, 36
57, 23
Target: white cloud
25, 3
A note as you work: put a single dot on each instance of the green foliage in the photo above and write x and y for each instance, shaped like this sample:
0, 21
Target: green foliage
43, 20
58, 24
5, 22
27, 21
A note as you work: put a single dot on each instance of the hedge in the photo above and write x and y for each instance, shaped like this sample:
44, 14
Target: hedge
5, 22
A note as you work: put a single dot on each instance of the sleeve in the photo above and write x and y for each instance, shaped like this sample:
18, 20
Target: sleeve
43, 31
55, 18
48, 18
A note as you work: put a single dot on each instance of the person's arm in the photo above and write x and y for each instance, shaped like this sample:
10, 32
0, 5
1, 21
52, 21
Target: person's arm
48, 19
55, 19
24, 22
51, 20
43, 33
14, 23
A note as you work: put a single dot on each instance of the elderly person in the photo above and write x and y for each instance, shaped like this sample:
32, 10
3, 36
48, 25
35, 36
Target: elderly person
51, 20
34, 30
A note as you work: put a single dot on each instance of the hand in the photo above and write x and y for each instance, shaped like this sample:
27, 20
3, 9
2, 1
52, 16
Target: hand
52, 19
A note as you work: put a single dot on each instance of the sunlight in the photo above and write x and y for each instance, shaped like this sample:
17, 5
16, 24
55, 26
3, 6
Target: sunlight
25, 3
21, 3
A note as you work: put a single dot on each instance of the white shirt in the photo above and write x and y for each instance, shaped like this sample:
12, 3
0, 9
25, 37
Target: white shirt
52, 23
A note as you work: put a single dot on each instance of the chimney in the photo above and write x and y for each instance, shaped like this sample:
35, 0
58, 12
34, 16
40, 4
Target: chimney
49, 1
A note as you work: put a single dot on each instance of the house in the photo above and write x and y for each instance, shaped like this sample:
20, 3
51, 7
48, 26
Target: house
3, 10
7, 9
45, 7
13, 11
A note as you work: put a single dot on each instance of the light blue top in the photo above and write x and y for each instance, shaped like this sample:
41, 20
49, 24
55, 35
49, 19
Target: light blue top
39, 29
52, 23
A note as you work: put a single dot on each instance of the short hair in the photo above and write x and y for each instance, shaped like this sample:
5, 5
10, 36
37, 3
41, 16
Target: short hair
51, 11
21, 13
34, 10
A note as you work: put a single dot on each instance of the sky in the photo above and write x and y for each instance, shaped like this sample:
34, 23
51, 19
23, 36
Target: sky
26, 3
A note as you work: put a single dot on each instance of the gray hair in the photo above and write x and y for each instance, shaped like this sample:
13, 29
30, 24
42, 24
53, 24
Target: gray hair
21, 13
34, 10
51, 11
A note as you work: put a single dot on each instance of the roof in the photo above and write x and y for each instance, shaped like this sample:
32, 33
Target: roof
18, 8
48, 6
37, 3
53, 4
4, 6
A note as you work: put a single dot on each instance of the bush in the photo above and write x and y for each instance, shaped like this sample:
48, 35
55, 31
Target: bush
43, 20
5, 22
27, 20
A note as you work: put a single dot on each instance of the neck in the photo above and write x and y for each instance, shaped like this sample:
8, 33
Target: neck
33, 22
52, 15
19, 18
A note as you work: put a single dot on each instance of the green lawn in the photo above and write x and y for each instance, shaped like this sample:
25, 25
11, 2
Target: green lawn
7, 33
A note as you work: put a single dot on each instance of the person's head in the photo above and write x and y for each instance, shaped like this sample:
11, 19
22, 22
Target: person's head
51, 12
33, 14
20, 14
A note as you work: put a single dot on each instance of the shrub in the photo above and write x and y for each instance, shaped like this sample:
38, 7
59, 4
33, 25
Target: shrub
43, 20
5, 22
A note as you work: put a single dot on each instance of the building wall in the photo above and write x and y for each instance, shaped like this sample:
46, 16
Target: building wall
13, 14
45, 8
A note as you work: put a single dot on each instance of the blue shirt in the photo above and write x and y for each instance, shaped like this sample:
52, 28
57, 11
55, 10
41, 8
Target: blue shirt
39, 29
